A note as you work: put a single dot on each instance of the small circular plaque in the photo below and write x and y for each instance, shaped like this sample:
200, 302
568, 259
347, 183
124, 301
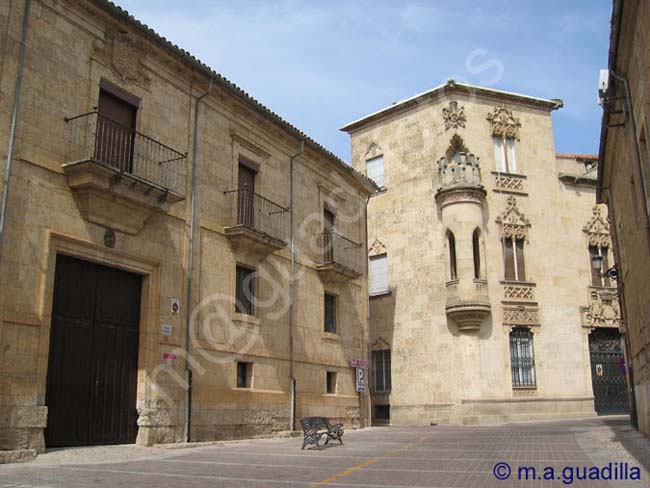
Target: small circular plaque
109, 238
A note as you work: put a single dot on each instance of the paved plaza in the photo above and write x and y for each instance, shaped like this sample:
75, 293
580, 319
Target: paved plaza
436, 456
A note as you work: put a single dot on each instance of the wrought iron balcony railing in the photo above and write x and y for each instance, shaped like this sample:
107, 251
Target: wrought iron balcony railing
339, 250
260, 214
95, 137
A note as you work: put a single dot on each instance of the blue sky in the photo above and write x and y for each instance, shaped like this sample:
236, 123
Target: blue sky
320, 64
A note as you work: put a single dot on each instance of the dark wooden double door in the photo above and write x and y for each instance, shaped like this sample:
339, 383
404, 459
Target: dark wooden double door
93, 359
608, 372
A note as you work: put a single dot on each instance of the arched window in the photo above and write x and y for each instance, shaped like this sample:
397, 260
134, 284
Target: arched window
476, 248
452, 255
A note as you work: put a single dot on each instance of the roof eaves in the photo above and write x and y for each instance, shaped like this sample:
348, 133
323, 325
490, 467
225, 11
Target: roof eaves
552, 104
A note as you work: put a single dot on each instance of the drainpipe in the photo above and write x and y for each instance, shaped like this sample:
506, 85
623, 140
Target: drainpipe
14, 122
190, 265
369, 355
292, 377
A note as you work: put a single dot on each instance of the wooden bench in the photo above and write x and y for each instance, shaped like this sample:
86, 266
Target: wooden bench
315, 428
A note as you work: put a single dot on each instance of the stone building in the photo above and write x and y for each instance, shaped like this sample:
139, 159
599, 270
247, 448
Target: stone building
624, 184
485, 305
146, 236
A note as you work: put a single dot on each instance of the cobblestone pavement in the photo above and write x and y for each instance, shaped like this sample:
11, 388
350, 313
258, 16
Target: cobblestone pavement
442, 456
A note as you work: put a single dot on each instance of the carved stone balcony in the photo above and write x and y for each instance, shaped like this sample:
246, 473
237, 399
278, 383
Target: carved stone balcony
120, 177
339, 258
468, 308
257, 225
459, 180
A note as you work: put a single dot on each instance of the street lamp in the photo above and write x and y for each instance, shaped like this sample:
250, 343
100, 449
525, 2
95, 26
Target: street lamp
611, 273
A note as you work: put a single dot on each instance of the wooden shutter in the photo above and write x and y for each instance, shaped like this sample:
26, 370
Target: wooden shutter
115, 131
378, 274
245, 196
375, 170
604, 252
508, 260
512, 162
521, 262
499, 156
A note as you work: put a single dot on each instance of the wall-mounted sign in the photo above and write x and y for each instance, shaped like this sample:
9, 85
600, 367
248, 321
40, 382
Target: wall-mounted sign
599, 370
166, 329
169, 355
359, 363
361, 380
175, 306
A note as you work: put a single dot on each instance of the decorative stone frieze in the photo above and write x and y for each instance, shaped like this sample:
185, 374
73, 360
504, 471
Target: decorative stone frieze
503, 123
507, 183
518, 293
520, 315
374, 151
454, 116
377, 248
597, 229
513, 222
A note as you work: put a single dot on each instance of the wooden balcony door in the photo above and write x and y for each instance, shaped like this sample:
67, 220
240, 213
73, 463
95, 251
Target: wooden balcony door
328, 229
115, 131
246, 195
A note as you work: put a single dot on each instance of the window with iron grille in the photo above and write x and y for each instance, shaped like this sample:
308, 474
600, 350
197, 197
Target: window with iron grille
331, 382
381, 370
245, 290
244, 374
522, 358
330, 313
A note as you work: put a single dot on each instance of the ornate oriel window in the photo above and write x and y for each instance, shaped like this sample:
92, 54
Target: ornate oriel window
598, 238
522, 358
514, 235
505, 131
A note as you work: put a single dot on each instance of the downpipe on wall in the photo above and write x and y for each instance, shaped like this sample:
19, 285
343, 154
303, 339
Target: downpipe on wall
14, 122
190, 264
292, 376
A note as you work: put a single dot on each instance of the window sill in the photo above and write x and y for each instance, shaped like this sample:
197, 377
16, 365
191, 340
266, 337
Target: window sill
245, 318
505, 173
515, 283
331, 336
524, 388
381, 294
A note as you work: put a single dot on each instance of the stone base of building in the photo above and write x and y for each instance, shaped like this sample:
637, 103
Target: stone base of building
493, 411
642, 395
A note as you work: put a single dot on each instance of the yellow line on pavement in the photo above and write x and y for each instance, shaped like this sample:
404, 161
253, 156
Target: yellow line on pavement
353, 469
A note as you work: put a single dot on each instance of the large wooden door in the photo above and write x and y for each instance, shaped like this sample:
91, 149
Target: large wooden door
245, 202
608, 372
93, 362
115, 132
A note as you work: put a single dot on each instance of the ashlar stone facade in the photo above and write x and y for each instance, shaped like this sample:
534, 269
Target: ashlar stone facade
489, 300
624, 185
119, 199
